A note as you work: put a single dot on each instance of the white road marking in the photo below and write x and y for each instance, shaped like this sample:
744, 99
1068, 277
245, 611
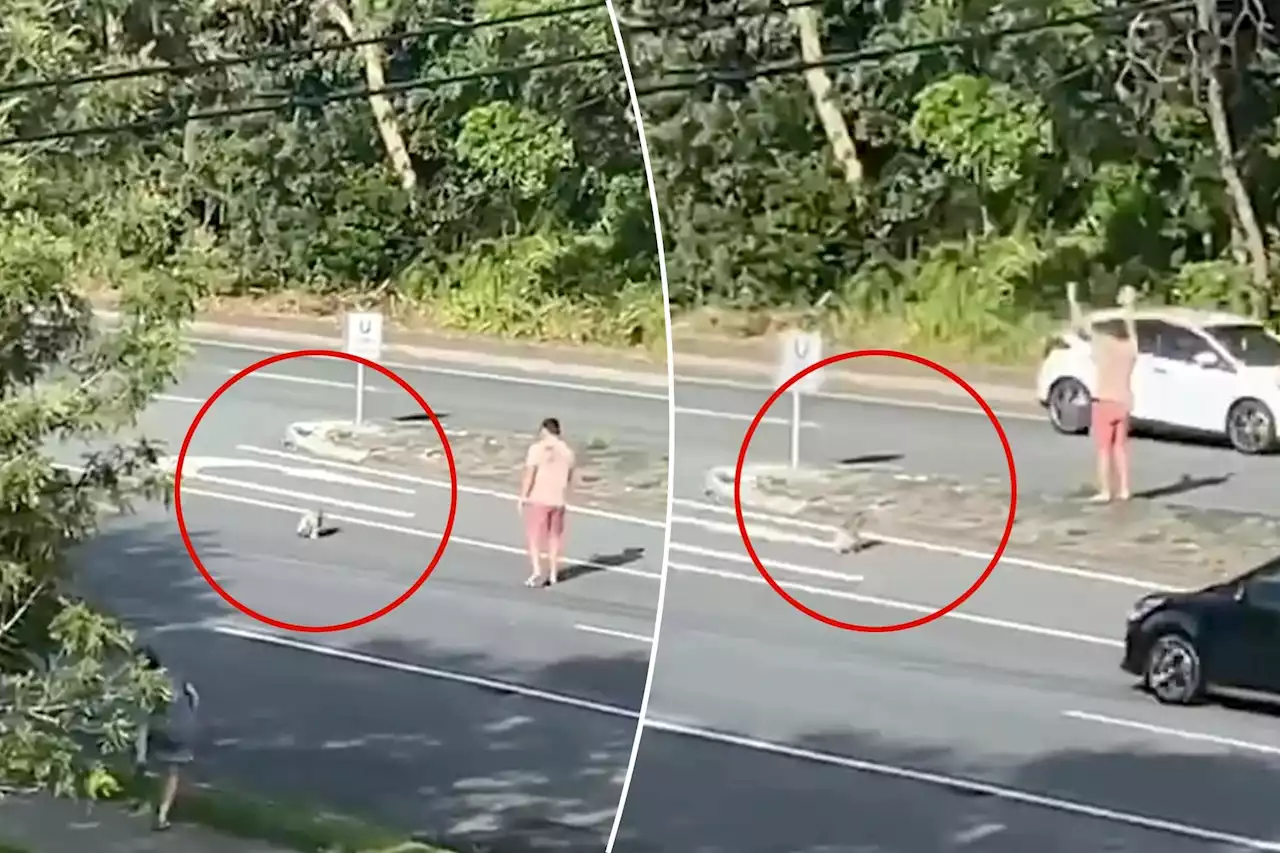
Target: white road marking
411, 531
967, 786
427, 671
988, 621
195, 466
289, 493
440, 484
878, 400
178, 398
609, 632
953, 783
510, 378
1182, 734
310, 380
739, 416
977, 833
921, 545
772, 565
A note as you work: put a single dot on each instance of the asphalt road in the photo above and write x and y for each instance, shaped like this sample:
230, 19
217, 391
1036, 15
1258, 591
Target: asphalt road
478, 709
1004, 727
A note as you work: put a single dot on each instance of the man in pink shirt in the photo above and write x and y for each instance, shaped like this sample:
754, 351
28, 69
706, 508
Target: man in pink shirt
544, 492
1115, 354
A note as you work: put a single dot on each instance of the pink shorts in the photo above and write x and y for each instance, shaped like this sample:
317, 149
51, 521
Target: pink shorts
542, 522
1110, 427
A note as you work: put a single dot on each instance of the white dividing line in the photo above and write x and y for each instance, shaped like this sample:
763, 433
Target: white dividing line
730, 556
411, 531
988, 621
308, 380
1181, 734
428, 671
437, 484
739, 416
609, 632
871, 399
967, 786
508, 378
289, 493
955, 551
178, 398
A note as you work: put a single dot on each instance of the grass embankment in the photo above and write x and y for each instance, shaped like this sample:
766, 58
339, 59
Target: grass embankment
287, 825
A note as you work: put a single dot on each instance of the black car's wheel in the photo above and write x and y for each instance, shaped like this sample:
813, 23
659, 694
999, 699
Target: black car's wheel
1251, 427
1069, 406
1173, 673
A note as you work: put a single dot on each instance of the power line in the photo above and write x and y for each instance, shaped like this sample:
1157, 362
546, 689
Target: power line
703, 76
159, 122
658, 25
291, 54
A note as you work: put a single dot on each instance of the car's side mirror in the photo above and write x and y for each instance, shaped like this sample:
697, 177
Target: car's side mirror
1206, 358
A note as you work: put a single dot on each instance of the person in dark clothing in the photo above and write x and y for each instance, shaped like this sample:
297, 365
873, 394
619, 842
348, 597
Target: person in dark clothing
167, 737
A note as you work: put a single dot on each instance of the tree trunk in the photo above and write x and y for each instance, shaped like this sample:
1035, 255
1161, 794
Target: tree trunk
824, 99
383, 113
1215, 106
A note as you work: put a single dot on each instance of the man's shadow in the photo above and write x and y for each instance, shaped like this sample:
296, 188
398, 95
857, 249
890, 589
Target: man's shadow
599, 563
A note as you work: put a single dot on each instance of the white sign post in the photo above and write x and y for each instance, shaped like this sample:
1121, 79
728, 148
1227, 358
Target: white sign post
799, 350
362, 336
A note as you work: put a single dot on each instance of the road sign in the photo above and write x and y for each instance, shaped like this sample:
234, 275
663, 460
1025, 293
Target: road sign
362, 335
800, 350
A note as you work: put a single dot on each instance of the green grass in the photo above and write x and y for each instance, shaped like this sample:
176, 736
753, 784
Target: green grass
290, 826
9, 848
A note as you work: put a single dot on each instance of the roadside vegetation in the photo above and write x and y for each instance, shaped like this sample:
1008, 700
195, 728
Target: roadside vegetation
497, 189
940, 184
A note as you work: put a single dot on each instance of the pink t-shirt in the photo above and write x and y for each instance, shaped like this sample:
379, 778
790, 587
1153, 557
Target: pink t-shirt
552, 461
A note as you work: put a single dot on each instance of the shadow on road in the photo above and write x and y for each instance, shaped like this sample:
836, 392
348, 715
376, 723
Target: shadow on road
750, 801
458, 763
601, 562
1186, 483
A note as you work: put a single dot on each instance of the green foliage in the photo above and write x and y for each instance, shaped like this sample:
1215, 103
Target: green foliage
307, 202
71, 690
995, 169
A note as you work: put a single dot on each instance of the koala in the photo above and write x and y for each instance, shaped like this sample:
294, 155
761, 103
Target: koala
310, 524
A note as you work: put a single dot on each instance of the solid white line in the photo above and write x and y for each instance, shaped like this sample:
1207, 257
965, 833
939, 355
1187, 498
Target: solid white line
732, 557
738, 416
309, 380
953, 783
637, 115
873, 399
967, 786
509, 378
609, 632
1182, 734
427, 671
438, 484
289, 493
411, 531
178, 398
955, 551
987, 621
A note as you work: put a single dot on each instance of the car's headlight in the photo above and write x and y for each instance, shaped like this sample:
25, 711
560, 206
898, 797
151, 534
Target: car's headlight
1145, 605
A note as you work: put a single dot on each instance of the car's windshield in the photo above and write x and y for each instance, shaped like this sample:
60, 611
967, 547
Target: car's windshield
1252, 345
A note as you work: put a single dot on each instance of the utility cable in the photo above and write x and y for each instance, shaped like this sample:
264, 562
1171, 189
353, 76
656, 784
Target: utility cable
704, 76
290, 54
161, 122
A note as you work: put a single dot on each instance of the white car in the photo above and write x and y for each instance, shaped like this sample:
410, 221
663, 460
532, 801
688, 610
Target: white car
1198, 372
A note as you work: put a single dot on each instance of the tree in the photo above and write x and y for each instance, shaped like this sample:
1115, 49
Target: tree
71, 690
1001, 149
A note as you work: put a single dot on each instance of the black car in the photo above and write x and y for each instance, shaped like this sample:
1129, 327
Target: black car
1225, 637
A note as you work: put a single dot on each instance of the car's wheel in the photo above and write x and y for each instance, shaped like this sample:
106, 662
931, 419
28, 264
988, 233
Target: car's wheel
1069, 406
1173, 673
1251, 427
